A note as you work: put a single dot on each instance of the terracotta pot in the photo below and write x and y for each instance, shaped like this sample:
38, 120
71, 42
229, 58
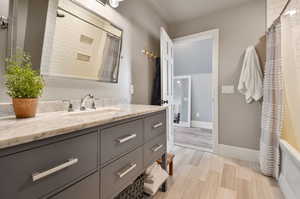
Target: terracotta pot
25, 107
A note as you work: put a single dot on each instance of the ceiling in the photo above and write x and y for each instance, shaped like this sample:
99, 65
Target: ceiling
176, 11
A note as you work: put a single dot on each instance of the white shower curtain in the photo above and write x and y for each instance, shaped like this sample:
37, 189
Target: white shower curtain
272, 109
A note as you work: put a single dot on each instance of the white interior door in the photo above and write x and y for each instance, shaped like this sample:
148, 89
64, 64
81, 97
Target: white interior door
167, 63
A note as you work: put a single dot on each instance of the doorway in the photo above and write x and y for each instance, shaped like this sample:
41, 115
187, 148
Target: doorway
196, 57
197, 129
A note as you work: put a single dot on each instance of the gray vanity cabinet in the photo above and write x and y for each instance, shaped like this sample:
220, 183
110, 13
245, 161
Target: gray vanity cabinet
27, 174
154, 149
120, 139
88, 188
96, 163
154, 126
118, 175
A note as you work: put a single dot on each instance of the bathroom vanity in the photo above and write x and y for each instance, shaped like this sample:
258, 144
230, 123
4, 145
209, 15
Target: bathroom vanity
79, 155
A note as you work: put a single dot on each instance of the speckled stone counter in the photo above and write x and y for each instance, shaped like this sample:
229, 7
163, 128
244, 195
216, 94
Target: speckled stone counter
45, 125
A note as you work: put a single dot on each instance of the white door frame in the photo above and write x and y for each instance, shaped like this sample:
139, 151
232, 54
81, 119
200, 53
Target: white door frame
214, 35
189, 78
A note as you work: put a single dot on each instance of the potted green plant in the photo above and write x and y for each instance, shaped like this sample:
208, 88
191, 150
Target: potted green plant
24, 85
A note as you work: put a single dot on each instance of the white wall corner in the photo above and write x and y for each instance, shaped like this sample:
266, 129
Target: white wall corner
201, 124
238, 153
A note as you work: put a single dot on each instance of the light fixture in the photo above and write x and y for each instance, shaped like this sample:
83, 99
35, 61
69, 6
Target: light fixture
114, 3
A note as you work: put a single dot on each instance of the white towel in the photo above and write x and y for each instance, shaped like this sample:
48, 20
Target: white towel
155, 176
251, 79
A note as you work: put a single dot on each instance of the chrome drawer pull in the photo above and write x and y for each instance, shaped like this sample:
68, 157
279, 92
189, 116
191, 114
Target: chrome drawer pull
157, 148
155, 126
124, 172
39, 175
127, 138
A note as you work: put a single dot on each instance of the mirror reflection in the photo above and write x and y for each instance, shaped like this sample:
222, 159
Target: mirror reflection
85, 46
77, 43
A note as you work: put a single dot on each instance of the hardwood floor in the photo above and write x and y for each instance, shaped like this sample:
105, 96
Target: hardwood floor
194, 137
202, 175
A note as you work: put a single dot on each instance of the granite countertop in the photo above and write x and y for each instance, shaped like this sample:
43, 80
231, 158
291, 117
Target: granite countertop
45, 125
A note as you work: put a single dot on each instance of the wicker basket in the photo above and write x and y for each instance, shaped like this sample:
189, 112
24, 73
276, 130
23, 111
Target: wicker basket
135, 190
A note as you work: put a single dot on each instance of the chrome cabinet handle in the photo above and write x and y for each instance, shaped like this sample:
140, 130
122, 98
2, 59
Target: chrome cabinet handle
39, 175
155, 126
126, 139
124, 172
156, 148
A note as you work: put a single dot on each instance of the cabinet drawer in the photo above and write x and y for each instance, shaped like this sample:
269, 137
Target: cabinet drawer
88, 186
121, 139
39, 171
154, 150
121, 173
155, 126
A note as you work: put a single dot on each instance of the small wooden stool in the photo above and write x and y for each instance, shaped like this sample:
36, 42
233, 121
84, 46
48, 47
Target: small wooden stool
170, 158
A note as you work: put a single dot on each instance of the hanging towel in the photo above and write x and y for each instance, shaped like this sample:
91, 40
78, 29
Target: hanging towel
156, 91
251, 79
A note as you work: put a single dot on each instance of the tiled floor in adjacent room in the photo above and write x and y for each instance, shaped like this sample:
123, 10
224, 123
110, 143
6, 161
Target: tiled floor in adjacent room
194, 137
202, 175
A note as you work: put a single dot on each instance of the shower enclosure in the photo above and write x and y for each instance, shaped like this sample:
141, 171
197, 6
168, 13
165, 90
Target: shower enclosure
182, 101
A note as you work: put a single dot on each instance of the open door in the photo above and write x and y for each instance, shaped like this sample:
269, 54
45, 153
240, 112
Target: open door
167, 63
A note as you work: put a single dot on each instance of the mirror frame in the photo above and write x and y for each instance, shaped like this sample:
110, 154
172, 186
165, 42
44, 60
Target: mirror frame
12, 39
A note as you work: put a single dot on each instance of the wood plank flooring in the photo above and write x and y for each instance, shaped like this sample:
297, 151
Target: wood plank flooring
203, 175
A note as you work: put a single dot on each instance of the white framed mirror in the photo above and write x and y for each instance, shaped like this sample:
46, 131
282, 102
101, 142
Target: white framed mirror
66, 39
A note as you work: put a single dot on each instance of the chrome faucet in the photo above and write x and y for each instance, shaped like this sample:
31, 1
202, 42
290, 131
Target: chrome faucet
83, 102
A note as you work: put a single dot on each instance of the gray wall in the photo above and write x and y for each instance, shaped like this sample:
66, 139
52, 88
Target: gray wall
4, 7
145, 25
138, 34
195, 59
202, 97
241, 26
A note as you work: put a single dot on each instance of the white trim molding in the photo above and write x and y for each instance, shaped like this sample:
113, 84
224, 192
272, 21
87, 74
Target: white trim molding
238, 153
202, 124
194, 147
214, 35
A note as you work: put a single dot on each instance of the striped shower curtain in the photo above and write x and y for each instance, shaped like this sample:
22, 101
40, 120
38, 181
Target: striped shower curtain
272, 109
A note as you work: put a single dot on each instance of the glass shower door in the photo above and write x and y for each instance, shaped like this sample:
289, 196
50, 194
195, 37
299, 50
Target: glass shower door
182, 101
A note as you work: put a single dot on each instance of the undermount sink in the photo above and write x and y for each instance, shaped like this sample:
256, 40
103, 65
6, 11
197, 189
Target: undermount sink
104, 110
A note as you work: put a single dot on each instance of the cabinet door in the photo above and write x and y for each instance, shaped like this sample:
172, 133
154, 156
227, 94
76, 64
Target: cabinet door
87, 188
154, 149
121, 139
121, 173
154, 126
40, 171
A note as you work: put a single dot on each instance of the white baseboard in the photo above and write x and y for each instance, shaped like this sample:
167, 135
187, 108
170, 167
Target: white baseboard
201, 124
183, 124
238, 153
194, 147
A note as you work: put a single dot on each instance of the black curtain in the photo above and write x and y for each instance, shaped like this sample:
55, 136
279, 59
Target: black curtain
156, 92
